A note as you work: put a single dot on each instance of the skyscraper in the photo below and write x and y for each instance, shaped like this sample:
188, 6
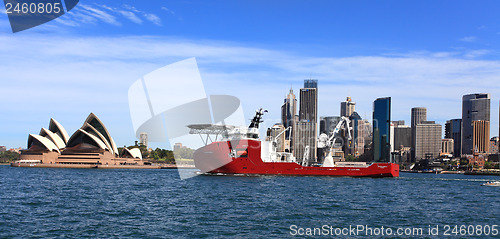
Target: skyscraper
427, 140
381, 129
306, 128
418, 115
347, 107
475, 107
309, 103
288, 112
453, 130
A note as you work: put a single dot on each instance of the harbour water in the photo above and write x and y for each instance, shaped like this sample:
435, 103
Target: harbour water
132, 203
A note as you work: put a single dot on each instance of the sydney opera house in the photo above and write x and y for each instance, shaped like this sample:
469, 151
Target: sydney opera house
89, 146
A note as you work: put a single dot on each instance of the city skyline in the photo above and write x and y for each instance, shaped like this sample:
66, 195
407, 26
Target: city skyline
70, 66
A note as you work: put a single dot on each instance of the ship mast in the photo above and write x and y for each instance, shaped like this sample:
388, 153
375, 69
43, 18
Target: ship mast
253, 129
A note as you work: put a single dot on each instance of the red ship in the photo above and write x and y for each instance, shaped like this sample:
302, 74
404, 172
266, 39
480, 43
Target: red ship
243, 153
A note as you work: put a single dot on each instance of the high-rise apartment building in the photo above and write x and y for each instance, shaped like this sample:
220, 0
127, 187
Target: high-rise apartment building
427, 140
381, 129
288, 112
347, 107
475, 107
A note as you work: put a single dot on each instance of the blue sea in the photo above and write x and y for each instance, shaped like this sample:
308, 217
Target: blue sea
135, 203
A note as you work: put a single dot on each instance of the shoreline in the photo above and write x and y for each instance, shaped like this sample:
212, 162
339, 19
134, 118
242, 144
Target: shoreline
93, 166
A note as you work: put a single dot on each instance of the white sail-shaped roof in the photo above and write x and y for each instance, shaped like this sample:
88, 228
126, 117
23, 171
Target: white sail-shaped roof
57, 128
99, 126
134, 153
54, 137
43, 142
73, 140
90, 129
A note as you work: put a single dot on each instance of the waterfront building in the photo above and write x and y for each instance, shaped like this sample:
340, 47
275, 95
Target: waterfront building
475, 107
447, 146
90, 145
143, 139
453, 130
288, 112
427, 140
418, 115
3, 148
347, 107
481, 135
381, 128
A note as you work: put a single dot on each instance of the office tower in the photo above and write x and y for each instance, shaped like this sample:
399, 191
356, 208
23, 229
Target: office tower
309, 103
306, 128
381, 128
347, 107
144, 139
447, 146
427, 140
475, 107
402, 137
453, 130
288, 112
481, 136
418, 115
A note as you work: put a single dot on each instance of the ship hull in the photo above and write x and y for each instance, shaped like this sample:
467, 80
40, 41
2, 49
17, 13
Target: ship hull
216, 158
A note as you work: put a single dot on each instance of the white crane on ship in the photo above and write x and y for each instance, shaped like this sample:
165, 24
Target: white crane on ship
329, 143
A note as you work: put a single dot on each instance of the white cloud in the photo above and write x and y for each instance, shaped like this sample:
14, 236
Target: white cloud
66, 77
168, 10
100, 14
476, 53
153, 18
131, 16
93, 14
468, 39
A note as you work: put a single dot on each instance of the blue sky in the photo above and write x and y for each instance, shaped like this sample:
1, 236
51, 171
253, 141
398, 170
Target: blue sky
421, 53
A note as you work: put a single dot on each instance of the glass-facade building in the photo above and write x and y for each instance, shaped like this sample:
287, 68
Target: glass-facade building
381, 129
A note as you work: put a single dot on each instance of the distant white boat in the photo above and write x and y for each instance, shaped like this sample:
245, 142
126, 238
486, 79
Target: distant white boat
492, 184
